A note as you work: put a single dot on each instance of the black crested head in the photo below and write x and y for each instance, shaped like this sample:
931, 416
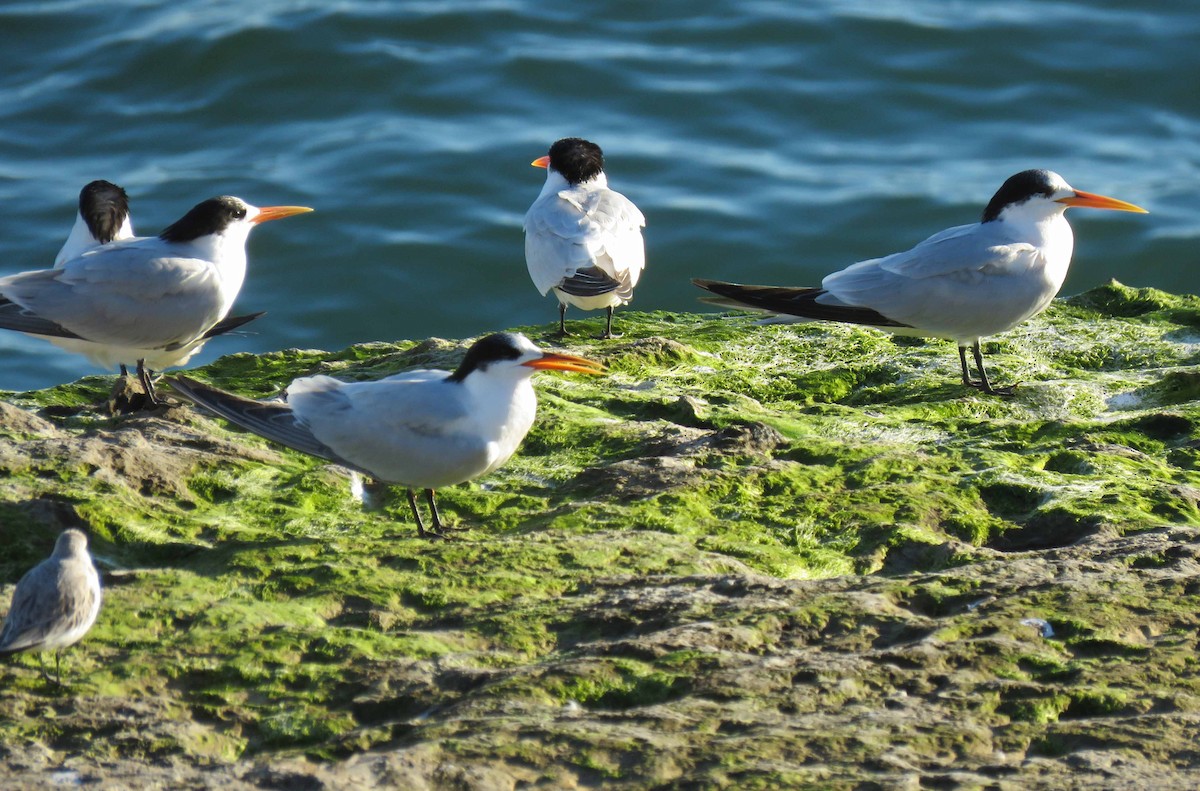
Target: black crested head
104, 207
207, 217
1018, 189
578, 160
487, 350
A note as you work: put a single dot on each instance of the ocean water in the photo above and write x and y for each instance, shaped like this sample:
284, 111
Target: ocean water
765, 141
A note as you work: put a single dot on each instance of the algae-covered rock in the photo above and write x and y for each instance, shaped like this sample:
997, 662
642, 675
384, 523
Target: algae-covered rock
751, 557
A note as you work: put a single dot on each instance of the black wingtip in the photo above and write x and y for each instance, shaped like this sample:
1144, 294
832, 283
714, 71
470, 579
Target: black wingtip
232, 323
185, 386
720, 286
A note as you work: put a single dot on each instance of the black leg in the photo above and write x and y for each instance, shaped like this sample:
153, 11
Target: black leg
983, 383
433, 511
966, 372
438, 524
608, 333
144, 376
562, 320
412, 503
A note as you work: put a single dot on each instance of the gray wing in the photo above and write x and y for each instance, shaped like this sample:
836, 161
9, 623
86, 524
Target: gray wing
579, 228
273, 420
979, 247
117, 295
15, 317
41, 608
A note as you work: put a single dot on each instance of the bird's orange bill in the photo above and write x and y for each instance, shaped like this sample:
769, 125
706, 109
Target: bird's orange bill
541, 162
1094, 201
566, 362
278, 212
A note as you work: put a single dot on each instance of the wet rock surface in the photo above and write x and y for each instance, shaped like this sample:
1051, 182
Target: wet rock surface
752, 557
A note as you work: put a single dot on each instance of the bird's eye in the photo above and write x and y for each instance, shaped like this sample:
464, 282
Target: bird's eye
239, 213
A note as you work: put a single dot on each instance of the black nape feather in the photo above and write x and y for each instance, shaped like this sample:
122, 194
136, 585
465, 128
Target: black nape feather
578, 160
207, 217
1018, 189
104, 207
485, 351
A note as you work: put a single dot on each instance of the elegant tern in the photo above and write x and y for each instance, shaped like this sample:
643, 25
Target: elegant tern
104, 217
55, 603
962, 284
421, 429
148, 301
582, 239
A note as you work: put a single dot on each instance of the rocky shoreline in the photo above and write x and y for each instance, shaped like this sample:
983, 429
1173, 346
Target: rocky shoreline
751, 557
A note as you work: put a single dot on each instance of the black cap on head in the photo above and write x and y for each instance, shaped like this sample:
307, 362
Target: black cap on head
104, 207
578, 160
207, 217
1018, 189
487, 350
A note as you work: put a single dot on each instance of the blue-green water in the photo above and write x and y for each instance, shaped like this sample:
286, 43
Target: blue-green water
765, 141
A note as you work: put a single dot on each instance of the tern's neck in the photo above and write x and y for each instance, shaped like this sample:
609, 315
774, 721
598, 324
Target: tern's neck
503, 408
1039, 225
555, 183
227, 252
502, 393
79, 241
1050, 234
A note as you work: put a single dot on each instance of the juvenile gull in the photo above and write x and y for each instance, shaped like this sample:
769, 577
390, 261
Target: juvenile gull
55, 603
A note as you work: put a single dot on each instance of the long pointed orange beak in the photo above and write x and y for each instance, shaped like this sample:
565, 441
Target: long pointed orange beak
554, 361
541, 162
1094, 201
268, 213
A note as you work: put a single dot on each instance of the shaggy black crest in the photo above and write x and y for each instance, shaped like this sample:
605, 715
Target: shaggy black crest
207, 217
1018, 189
485, 351
578, 160
104, 207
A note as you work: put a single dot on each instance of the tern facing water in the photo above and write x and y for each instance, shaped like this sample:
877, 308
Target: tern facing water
55, 603
963, 284
103, 217
421, 429
582, 239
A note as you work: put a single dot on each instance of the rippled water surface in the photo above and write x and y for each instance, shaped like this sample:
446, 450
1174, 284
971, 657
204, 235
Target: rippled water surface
765, 141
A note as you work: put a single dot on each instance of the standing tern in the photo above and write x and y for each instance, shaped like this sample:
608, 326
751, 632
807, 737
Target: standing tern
103, 217
55, 603
961, 284
421, 429
148, 301
582, 239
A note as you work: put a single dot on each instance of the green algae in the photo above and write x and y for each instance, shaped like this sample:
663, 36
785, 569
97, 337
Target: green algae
256, 597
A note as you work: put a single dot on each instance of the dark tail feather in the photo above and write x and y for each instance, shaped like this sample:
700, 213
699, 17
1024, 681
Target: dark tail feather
590, 282
795, 302
232, 323
273, 420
